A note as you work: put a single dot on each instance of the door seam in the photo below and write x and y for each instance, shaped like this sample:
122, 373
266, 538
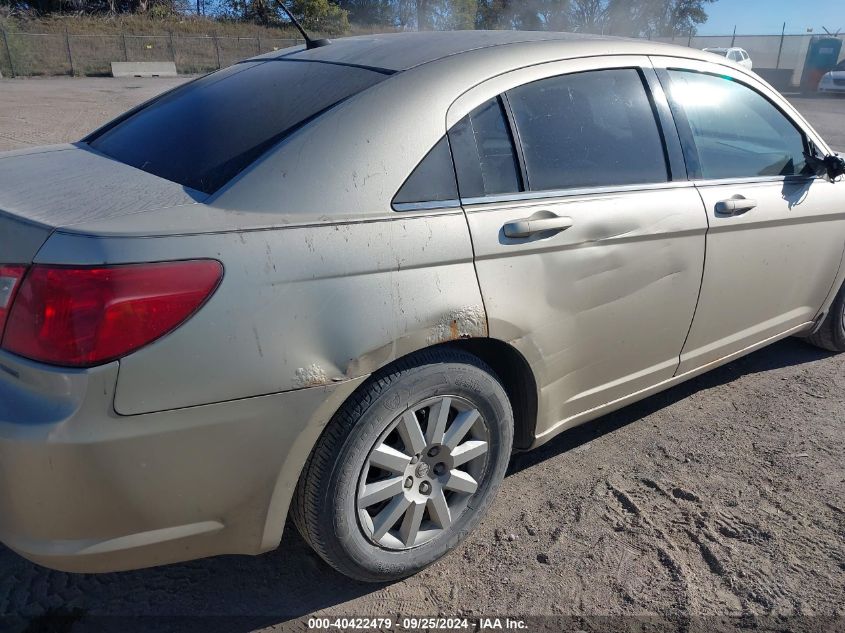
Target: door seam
701, 282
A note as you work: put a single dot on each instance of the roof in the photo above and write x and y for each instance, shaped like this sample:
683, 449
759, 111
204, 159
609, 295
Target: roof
401, 51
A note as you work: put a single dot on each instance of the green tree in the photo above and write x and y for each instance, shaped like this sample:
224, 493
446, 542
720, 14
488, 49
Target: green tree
639, 17
320, 16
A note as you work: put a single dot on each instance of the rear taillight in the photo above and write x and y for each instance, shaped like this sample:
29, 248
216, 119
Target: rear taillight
10, 279
87, 316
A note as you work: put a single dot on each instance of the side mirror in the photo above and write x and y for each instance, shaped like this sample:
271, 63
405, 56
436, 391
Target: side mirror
832, 165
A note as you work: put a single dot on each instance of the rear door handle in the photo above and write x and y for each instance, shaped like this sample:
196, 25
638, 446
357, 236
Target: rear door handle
736, 205
527, 227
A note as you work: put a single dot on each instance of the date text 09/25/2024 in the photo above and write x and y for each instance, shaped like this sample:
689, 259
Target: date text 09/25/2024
417, 624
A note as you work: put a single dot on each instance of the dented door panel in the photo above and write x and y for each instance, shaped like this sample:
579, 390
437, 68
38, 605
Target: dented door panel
602, 308
320, 304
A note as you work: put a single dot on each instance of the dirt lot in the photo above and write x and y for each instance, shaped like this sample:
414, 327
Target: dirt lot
723, 496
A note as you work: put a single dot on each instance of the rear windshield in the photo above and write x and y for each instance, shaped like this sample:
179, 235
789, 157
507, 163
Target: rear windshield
203, 134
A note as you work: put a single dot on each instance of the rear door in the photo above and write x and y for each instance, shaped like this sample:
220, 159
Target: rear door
776, 232
589, 240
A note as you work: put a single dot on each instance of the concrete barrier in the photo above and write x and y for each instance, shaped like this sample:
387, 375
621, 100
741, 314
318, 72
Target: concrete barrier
143, 69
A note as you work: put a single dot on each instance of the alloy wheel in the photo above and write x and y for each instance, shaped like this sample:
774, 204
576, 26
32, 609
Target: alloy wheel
422, 472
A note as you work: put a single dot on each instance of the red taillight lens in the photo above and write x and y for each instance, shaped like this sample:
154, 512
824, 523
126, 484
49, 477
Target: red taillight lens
87, 316
10, 279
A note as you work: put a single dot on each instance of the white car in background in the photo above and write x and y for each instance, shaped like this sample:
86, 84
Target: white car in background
834, 81
736, 55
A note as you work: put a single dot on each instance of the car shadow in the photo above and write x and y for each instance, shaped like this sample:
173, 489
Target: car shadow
786, 353
244, 593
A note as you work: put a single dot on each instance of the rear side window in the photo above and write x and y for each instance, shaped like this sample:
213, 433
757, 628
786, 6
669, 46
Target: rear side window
588, 129
203, 134
737, 132
433, 180
485, 159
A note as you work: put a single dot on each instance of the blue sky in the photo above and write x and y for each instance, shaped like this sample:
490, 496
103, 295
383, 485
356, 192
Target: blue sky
753, 17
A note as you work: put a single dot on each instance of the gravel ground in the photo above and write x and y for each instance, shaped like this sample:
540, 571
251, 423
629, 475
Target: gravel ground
824, 113
62, 109
724, 496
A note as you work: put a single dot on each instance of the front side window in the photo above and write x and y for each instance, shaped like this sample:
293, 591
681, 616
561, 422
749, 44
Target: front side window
588, 129
737, 132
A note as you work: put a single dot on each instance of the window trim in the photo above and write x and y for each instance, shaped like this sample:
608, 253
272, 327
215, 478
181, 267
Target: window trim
516, 140
750, 180
506, 114
668, 127
527, 196
426, 206
690, 147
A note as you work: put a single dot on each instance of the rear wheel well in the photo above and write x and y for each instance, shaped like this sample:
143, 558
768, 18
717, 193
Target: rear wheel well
517, 379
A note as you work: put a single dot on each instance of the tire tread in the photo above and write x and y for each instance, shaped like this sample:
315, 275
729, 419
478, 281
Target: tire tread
831, 333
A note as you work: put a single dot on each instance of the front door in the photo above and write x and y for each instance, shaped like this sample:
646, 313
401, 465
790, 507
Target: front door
776, 232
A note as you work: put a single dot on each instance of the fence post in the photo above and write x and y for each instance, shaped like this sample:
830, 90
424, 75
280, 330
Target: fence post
217, 49
780, 48
8, 52
125, 53
69, 54
258, 39
172, 48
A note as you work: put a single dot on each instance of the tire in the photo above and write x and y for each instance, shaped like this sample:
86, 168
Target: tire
831, 334
439, 389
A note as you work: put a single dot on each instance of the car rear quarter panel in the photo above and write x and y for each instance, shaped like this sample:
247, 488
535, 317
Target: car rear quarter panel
298, 306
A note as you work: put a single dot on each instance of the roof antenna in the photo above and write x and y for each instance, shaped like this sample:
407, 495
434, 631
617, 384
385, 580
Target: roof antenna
309, 43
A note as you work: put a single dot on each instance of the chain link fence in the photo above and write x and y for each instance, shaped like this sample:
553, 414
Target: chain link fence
32, 54
28, 54
768, 52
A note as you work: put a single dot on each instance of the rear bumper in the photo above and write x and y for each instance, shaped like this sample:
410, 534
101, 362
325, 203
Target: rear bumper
83, 489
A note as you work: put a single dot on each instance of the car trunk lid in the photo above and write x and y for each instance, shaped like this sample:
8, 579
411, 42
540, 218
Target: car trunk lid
43, 189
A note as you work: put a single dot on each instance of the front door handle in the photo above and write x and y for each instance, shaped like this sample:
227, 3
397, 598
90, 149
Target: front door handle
736, 205
527, 227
